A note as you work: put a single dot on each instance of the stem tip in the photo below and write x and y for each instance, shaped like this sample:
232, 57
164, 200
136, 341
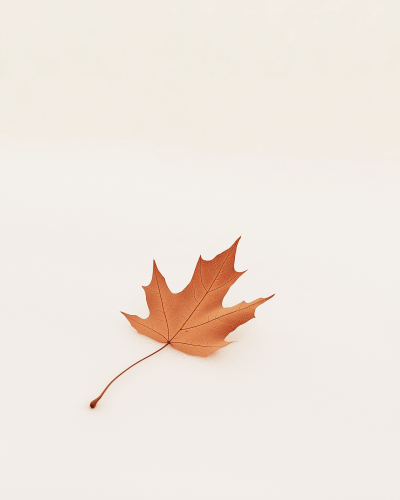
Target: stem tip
94, 403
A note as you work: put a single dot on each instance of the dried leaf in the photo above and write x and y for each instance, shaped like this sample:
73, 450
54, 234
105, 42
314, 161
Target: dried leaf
193, 321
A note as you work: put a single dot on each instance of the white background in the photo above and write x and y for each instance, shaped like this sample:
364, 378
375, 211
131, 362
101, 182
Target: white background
140, 130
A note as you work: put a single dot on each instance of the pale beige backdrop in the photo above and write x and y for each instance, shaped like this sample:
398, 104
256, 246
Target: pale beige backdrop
133, 130
312, 78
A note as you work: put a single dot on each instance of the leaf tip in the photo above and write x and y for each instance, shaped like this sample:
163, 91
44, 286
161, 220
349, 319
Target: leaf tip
266, 298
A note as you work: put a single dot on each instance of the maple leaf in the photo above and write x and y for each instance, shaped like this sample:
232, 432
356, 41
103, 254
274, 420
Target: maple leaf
193, 321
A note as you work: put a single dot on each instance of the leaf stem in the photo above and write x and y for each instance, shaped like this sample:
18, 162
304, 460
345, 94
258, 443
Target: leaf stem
95, 401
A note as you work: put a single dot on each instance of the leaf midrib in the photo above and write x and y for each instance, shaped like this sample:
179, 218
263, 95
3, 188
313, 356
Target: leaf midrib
216, 276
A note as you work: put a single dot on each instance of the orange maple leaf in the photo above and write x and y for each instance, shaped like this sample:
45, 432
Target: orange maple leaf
193, 321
